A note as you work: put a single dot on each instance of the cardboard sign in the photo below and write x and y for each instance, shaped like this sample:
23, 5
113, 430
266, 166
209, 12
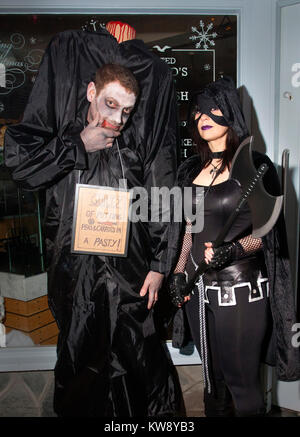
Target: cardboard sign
100, 220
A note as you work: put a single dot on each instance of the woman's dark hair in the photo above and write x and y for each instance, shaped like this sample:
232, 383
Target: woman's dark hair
201, 146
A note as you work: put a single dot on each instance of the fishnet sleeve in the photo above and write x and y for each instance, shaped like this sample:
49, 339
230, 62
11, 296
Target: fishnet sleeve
185, 249
250, 244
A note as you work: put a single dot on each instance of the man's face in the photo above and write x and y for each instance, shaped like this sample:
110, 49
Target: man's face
114, 104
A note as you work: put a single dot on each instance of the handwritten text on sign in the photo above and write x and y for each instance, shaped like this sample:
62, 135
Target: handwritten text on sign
101, 222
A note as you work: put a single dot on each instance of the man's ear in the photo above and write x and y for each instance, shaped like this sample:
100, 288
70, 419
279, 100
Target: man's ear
91, 91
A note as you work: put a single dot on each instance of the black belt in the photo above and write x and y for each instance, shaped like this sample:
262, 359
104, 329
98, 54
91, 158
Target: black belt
249, 273
245, 270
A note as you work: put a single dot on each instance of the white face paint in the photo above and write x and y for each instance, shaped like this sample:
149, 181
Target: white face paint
114, 105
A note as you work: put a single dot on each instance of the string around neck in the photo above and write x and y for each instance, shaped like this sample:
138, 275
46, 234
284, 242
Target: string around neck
214, 169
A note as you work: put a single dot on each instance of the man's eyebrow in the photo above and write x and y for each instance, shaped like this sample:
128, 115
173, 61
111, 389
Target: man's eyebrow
111, 98
117, 102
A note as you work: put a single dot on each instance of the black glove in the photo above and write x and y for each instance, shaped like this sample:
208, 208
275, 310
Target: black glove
177, 286
226, 253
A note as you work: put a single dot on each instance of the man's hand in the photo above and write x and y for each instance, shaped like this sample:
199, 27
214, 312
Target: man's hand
152, 285
96, 138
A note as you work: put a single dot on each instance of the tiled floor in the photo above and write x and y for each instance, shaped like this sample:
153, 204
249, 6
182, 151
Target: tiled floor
30, 394
191, 381
192, 387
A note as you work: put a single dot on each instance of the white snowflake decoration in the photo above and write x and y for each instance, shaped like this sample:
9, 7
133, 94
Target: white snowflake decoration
203, 36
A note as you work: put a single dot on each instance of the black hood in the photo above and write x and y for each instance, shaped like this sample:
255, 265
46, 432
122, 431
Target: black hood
223, 93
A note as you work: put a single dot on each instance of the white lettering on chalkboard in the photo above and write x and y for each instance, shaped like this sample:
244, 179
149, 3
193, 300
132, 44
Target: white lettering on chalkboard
170, 61
179, 71
186, 142
2, 76
4, 50
12, 71
183, 153
182, 95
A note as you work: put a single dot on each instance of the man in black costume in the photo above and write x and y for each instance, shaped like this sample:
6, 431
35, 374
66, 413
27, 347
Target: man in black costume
110, 360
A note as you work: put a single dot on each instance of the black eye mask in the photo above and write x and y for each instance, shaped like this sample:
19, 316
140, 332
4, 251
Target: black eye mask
221, 94
204, 106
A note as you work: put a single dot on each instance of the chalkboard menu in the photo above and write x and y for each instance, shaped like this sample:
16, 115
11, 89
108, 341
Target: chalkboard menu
198, 49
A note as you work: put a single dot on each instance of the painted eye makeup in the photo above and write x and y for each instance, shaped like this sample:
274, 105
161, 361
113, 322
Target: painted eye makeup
127, 111
111, 103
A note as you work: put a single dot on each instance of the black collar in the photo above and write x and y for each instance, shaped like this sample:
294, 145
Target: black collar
217, 155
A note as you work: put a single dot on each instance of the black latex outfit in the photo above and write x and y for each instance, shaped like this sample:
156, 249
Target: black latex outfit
220, 200
237, 308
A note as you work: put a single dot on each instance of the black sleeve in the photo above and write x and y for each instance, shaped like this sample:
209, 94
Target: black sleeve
282, 295
270, 179
160, 165
46, 144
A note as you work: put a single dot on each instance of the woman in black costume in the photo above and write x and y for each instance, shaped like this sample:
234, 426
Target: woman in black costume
232, 327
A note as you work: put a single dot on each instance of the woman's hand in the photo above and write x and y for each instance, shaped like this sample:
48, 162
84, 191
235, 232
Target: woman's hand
224, 254
186, 299
209, 252
176, 288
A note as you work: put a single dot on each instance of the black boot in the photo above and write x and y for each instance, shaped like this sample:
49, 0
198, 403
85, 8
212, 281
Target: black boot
219, 403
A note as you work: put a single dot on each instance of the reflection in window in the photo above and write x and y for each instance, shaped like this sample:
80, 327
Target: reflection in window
198, 49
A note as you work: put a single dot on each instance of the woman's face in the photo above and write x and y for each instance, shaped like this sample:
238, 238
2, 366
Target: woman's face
208, 129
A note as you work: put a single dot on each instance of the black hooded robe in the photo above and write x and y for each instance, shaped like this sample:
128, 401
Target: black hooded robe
110, 360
